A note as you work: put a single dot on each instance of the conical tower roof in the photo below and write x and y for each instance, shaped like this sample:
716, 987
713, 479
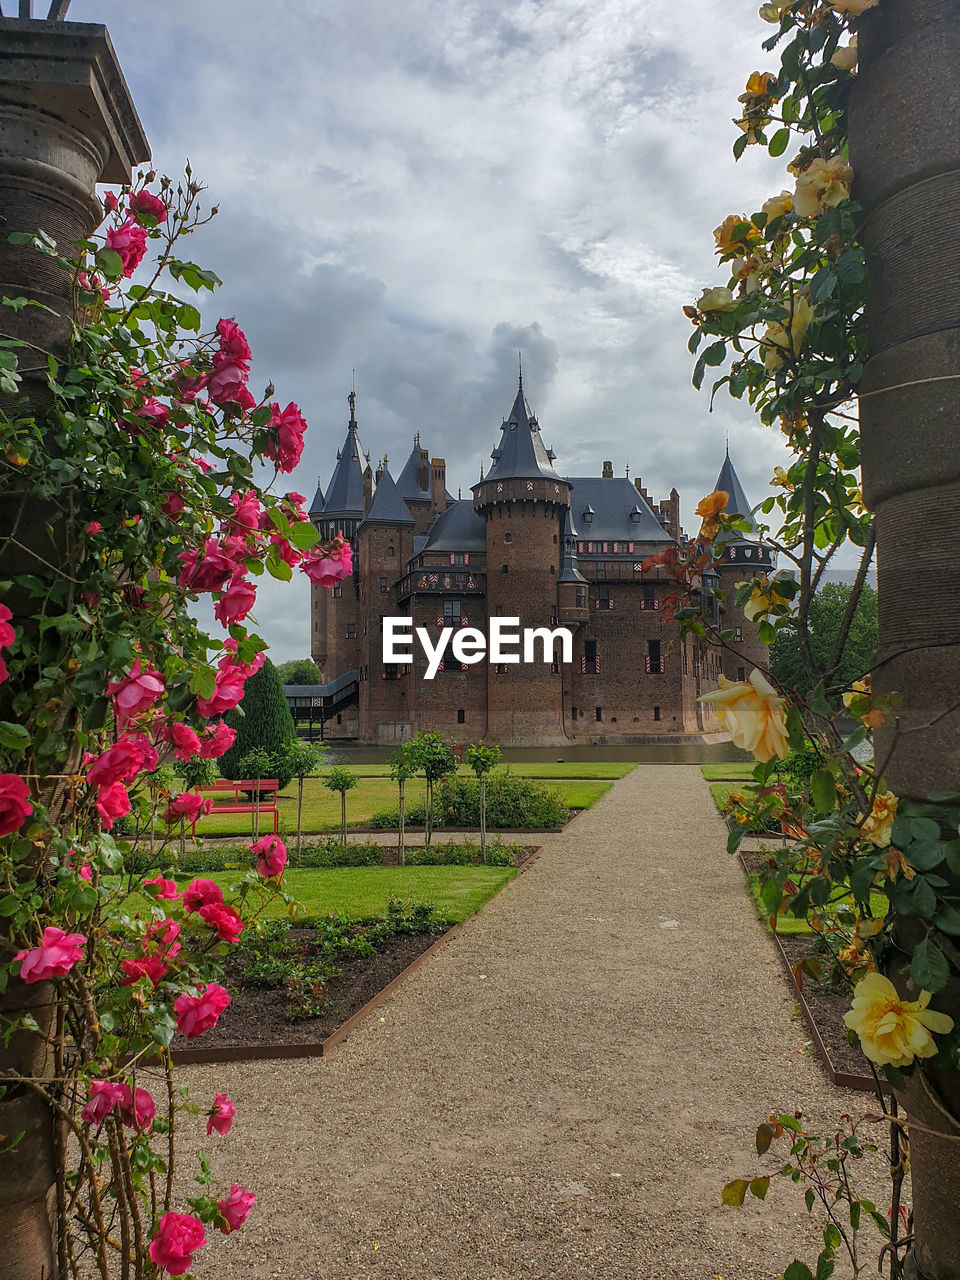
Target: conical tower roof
316, 506
569, 563
521, 453
738, 503
387, 506
408, 481
345, 491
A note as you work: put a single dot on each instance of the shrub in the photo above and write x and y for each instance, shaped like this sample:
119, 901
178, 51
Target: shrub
466, 853
389, 819
266, 724
323, 853
512, 803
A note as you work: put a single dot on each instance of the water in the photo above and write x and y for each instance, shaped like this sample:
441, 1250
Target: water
647, 753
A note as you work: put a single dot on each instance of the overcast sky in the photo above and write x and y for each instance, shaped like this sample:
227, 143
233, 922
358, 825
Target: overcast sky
417, 190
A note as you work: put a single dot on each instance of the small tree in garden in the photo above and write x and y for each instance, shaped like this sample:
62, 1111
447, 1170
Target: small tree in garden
256, 765
434, 756
301, 759
262, 721
482, 759
341, 780
403, 766
134, 468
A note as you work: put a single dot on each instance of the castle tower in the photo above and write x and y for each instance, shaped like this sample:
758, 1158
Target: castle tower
523, 502
384, 544
335, 631
422, 486
743, 557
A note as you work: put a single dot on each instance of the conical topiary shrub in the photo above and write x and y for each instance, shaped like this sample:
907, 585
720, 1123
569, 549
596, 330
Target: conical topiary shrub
266, 724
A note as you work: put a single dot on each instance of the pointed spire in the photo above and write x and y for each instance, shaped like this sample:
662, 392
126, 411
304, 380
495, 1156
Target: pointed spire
408, 481
387, 507
345, 492
520, 452
569, 561
729, 482
520, 366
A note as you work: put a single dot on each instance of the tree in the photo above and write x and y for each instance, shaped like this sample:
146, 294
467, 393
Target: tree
302, 758
341, 780
256, 764
826, 623
433, 755
481, 760
265, 724
403, 765
299, 671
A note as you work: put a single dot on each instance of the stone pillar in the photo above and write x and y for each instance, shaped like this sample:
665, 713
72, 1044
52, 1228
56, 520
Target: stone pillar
905, 151
67, 122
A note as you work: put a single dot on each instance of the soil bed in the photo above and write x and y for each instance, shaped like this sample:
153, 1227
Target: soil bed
256, 1014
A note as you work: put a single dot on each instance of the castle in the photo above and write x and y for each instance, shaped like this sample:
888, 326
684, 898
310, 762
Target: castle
531, 543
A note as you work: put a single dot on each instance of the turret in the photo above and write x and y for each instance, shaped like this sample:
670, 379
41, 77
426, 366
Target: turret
742, 558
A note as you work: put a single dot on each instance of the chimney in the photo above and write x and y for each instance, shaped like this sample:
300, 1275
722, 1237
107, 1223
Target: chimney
367, 487
438, 484
638, 484
673, 521
607, 471
423, 471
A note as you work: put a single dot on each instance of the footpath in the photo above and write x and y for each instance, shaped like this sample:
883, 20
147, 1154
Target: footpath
561, 1092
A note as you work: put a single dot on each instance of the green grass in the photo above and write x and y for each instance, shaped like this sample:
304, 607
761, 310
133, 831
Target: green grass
722, 791
788, 923
361, 893
321, 808
736, 770
604, 769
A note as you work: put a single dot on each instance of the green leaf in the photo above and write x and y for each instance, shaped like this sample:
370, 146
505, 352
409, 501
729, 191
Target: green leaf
715, 354
798, 1271
822, 285
203, 682
929, 968
734, 1192
279, 569
947, 919
303, 535
759, 1188
110, 263
14, 736
779, 142
740, 146
765, 1135
824, 791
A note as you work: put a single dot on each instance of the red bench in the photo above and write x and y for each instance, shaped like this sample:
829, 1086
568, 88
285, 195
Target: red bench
224, 786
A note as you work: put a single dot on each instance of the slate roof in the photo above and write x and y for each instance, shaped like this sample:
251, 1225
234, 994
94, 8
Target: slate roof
569, 563
316, 506
729, 482
459, 528
345, 491
521, 452
620, 513
408, 481
322, 690
387, 506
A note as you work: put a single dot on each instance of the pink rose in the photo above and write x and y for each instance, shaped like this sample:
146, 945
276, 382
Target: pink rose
226, 381
197, 1014
93, 527
287, 550
271, 855
286, 427
226, 920
230, 682
118, 763
110, 201
246, 511
150, 414
135, 692
189, 805
112, 803
137, 1109
201, 893
84, 871
177, 1239
236, 602
233, 341
235, 1209
173, 505
206, 572
165, 888
130, 241
166, 934
92, 284
56, 955
245, 399
15, 806
188, 385
221, 1116
104, 1096
7, 633
152, 967
246, 669
185, 741
149, 756
146, 202
329, 565
217, 741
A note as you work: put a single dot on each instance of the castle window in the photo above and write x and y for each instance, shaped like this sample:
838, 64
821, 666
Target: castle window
685, 663
505, 569
581, 597
738, 634
457, 557
555, 668
508, 536
554, 539
461, 716
656, 713
599, 712
390, 551
339, 718
384, 588
653, 663
590, 662
337, 591
553, 568
603, 600
502, 669
741, 674
392, 671
649, 600
451, 612
351, 630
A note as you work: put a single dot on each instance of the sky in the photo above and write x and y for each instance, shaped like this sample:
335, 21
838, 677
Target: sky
418, 191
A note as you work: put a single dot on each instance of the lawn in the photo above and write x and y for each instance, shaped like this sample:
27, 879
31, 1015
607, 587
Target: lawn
722, 791
741, 770
361, 893
321, 808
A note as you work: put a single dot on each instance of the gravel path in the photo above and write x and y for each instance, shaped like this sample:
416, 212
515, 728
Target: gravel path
560, 1092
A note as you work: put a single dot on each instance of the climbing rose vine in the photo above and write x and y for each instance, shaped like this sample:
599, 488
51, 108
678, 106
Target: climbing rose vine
144, 483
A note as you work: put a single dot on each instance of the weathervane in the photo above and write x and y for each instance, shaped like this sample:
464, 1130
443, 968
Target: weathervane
56, 13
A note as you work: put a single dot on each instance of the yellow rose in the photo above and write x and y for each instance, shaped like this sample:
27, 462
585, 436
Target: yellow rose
781, 478
753, 715
777, 206
853, 7
712, 504
859, 689
764, 598
774, 11
718, 299
778, 341
845, 58
894, 1031
822, 185
723, 234
877, 826
760, 84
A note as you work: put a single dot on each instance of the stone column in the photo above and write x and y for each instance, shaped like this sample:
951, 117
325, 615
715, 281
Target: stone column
905, 151
67, 122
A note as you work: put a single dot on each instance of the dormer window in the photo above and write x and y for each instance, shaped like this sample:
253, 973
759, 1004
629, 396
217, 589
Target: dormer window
636, 515
587, 514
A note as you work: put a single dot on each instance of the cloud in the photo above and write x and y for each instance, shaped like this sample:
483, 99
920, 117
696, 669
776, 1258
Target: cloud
414, 192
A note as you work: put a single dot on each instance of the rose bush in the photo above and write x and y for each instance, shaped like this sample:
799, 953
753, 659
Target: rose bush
149, 475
